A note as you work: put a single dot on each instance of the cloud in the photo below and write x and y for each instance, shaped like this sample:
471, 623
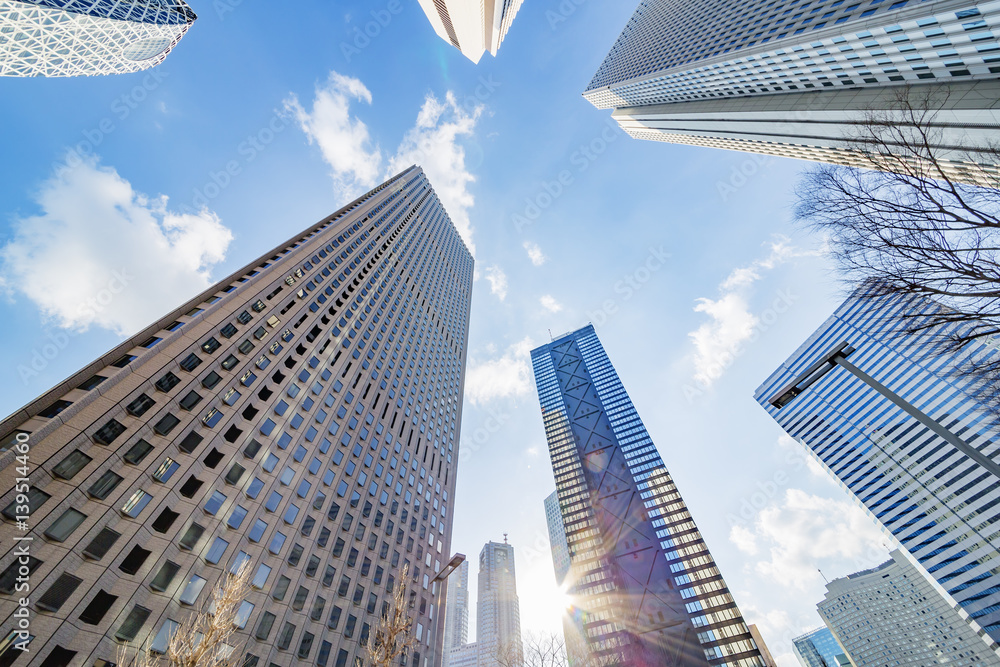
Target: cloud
434, 143
731, 323
550, 304
503, 377
802, 531
535, 253
497, 280
102, 254
344, 141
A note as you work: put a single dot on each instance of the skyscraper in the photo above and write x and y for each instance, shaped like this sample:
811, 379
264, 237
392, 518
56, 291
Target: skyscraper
498, 612
758, 639
792, 79
87, 37
892, 615
456, 625
302, 414
557, 537
819, 648
641, 578
472, 26
896, 418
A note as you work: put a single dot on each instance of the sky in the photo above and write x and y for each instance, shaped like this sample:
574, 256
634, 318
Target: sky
121, 197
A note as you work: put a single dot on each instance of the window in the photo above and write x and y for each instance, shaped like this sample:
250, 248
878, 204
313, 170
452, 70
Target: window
167, 572
166, 470
295, 555
60, 591
101, 544
213, 458
229, 330
162, 638
190, 362
166, 424
54, 409
192, 399
167, 382
136, 503
281, 588
193, 589
236, 517
250, 451
72, 464
260, 577
138, 452
211, 345
217, 550
211, 380
134, 560
299, 600
191, 486
255, 488
245, 347
277, 542
285, 638
190, 442
257, 531
165, 520
214, 503
103, 487
273, 501
92, 382
64, 526
140, 405
230, 362
191, 536
264, 625
98, 607
132, 624
108, 433
243, 614
235, 473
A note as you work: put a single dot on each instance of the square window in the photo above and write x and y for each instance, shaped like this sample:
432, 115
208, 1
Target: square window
217, 550
136, 503
103, 487
63, 527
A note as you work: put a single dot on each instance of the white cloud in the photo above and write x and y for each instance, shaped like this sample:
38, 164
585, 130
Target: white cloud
497, 280
550, 304
344, 141
731, 324
434, 144
797, 450
535, 253
801, 531
744, 539
101, 254
503, 377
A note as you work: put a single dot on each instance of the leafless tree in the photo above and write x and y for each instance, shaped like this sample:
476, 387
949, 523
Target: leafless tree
392, 638
202, 639
908, 223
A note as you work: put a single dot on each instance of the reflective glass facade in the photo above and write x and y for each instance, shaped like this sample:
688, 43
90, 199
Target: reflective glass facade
818, 649
88, 37
302, 413
902, 426
645, 588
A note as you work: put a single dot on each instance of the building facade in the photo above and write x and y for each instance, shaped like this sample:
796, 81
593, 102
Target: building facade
456, 624
819, 648
472, 26
794, 79
765, 653
644, 586
557, 537
88, 37
892, 615
498, 611
302, 414
902, 425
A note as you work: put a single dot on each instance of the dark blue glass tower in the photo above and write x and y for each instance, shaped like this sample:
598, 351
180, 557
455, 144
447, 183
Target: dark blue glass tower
645, 588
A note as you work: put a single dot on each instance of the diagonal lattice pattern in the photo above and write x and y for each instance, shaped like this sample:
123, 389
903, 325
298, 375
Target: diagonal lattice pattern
88, 37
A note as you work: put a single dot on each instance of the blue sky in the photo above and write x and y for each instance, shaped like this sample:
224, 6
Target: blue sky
262, 122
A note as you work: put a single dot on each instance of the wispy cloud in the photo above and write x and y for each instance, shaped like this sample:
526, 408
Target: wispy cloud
731, 322
497, 280
550, 304
505, 376
433, 143
102, 254
535, 253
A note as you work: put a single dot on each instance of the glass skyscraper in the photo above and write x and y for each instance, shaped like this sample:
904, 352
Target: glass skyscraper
87, 37
456, 628
793, 77
302, 414
899, 421
819, 648
645, 588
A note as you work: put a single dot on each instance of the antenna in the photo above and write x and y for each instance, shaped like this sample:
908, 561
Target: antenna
822, 575
550, 336
505, 538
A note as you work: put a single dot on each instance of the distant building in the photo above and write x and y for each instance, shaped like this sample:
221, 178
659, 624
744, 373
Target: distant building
463, 656
644, 585
892, 615
557, 537
456, 623
498, 612
472, 26
762, 647
88, 37
781, 79
819, 648
897, 420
